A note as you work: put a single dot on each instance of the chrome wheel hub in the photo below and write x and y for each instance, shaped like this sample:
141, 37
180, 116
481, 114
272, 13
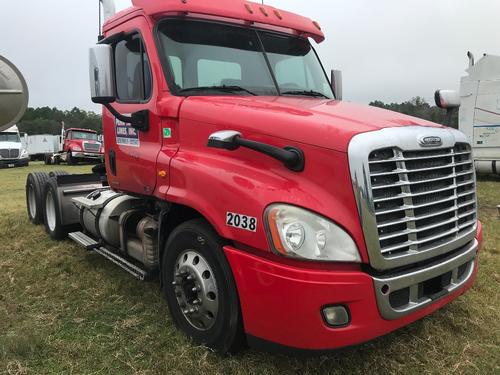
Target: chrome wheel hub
32, 200
196, 291
51, 211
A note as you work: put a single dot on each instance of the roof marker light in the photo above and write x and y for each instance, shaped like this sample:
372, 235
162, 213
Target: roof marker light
278, 14
264, 11
317, 25
249, 8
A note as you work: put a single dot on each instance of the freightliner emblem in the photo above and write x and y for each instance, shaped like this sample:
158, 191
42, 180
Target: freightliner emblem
431, 141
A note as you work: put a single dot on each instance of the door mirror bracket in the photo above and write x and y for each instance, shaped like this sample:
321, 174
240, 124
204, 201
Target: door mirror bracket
138, 120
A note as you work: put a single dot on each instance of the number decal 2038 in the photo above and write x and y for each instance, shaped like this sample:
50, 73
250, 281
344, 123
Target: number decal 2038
241, 221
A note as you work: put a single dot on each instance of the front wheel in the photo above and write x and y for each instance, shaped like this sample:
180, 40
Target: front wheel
70, 159
200, 289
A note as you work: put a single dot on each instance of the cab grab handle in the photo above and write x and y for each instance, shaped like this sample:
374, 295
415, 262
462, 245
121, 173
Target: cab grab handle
291, 157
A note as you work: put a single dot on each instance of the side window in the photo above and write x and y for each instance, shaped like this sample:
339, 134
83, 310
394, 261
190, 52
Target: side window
68, 135
216, 73
133, 73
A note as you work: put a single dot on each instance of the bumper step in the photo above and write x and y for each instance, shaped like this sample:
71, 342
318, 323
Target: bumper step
90, 244
83, 240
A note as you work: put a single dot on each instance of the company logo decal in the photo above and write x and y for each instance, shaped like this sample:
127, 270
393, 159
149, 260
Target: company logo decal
431, 141
126, 135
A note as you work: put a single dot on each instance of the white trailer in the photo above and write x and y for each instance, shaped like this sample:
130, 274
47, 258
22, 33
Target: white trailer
479, 116
41, 145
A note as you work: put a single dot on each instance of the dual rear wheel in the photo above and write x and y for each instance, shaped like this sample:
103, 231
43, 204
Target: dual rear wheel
42, 202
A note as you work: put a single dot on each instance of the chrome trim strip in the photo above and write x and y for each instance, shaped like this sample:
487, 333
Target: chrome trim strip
414, 278
404, 139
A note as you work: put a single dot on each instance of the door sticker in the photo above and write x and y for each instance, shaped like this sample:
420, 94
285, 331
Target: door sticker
126, 135
241, 221
167, 133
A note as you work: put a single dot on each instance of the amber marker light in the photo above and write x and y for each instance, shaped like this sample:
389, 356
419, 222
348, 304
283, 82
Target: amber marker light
264, 11
162, 174
278, 14
317, 25
249, 8
273, 228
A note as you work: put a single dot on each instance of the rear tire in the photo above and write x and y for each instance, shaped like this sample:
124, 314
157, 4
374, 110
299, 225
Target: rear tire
204, 302
52, 212
35, 184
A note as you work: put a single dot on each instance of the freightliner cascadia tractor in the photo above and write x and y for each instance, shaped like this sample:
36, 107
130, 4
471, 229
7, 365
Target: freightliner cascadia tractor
273, 212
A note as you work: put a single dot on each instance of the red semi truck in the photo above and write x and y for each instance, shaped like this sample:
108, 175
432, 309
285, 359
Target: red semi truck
274, 212
76, 145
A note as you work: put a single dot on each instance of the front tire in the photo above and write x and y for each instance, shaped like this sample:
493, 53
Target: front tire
70, 159
199, 287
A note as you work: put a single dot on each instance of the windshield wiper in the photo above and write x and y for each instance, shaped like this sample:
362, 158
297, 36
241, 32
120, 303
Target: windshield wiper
222, 88
312, 93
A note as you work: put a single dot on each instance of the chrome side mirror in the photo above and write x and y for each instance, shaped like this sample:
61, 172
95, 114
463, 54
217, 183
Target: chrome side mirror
101, 74
336, 82
14, 94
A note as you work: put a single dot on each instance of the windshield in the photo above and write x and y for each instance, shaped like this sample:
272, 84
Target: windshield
9, 137
207, 58
84, 135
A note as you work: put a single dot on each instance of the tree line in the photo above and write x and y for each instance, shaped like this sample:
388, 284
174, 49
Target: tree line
47, 120
418, 107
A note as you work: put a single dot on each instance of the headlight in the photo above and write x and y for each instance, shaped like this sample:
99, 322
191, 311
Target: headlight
77, 148
298, 233
24, 154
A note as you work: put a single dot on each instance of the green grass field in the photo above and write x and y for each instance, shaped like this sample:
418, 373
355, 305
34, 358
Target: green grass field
63, 310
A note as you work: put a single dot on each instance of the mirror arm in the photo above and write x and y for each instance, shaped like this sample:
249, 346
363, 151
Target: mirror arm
292, 157
139, 120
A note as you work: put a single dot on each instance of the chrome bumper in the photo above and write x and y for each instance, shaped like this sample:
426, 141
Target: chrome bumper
424, 286
87, 155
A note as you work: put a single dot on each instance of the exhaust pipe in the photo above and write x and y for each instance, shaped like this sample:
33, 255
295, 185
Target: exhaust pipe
471, 59
109, 8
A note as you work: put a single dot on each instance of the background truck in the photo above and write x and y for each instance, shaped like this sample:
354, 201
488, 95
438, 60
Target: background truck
273, 212
479, 117
12, 151
40, 145
74, 145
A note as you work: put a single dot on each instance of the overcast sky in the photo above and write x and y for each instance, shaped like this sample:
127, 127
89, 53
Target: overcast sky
390, 50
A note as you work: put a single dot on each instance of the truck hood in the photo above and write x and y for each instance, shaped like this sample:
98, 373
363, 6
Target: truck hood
11, 145
326, 123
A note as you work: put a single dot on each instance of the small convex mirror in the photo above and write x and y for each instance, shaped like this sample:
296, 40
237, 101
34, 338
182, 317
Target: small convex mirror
447, 99
102, 85
13, 94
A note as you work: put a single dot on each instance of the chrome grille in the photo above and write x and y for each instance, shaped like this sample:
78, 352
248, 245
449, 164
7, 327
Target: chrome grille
9, 154
92, 147
422, 198
415, 203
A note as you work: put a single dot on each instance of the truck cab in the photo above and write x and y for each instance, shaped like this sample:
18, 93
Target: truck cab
81, 145
479, 112
12, 151
274, 212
